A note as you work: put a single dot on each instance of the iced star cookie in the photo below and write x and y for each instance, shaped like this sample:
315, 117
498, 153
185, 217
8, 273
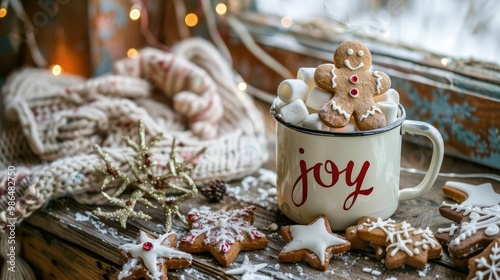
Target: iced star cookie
476, 229
487, 264
353, 85
150, 258
224, 234
467, 194
397, 243
314, 243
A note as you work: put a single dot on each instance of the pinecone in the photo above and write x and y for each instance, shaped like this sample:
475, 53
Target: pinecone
214, 191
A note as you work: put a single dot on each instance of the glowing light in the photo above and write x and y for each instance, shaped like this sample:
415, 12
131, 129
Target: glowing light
221, 9
3, 12
56, 70
135, 13
191, 19
286, 21
242, 86
132, 52
444, 61
387, 33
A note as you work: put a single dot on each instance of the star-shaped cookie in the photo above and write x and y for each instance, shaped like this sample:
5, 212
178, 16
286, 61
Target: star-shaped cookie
224, 234
398, 243
150, 258
314, 243
487, 264
475, 195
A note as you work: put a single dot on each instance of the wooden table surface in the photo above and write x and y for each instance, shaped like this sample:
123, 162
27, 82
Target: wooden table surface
64, 241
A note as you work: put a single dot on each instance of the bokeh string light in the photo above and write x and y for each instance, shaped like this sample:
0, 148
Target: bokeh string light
135, 12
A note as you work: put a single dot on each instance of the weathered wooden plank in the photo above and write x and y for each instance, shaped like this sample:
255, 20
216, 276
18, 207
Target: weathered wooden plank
53, 258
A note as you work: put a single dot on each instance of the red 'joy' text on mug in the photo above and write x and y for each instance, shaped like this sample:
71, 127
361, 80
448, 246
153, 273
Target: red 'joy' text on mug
301, 185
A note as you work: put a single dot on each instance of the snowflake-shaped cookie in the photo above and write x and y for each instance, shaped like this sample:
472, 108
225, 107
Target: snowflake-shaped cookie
477, 228
150, 258
353, 85
487, 264
398, 243
314, 243
224, 234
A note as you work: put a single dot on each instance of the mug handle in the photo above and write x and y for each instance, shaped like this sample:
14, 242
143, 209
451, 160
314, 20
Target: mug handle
427, 130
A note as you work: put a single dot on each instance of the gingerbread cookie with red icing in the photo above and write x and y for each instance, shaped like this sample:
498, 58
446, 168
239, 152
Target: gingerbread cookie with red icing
477, 227
353, 85
224, 234
151, 257
314, 243
397, 243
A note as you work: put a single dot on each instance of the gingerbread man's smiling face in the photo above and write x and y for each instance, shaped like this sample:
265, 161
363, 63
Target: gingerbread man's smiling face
352, 56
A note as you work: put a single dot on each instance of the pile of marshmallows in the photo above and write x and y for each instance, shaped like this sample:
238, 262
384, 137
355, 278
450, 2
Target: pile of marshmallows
299, 100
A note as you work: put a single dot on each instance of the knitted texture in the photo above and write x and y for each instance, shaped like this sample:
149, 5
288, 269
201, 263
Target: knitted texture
189, 94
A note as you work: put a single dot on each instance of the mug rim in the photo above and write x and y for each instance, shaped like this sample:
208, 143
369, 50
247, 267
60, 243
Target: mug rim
397, 123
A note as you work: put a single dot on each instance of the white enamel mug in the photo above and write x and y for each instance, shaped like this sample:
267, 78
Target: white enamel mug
347, 175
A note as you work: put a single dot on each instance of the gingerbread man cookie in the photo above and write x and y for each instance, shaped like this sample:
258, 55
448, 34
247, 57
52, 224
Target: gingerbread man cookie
397, 243
353, 85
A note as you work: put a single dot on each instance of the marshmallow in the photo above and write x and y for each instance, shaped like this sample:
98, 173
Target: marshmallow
390, 109
317, 97
306, 74
294, 112
390, 95
313, 122
278, 104
292, 89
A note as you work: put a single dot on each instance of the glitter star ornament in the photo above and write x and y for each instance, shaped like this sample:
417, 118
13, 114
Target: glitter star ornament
150, 258
314, 243
168, 190
224, 234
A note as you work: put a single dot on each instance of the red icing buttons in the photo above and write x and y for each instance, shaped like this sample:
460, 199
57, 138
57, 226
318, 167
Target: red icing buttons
147, 246
354, 79
354, 92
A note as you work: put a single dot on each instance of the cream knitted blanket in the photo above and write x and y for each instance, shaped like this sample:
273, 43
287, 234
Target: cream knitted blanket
51, 124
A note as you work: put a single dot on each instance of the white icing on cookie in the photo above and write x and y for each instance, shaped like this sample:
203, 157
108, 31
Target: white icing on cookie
477, 195
370, 112
339, 110
314, 237
348, 65
379, 80
487, 218
149, 250
400, 239
489, 269
223, 228
333, 76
